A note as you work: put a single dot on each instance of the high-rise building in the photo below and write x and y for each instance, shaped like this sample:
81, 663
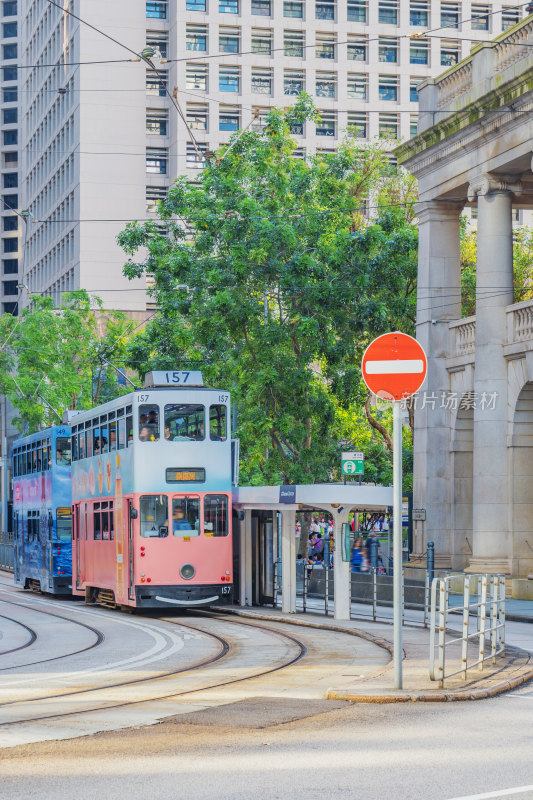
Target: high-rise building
91, 137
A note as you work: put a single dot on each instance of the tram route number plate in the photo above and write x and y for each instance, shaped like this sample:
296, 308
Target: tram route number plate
226, 589
174, 378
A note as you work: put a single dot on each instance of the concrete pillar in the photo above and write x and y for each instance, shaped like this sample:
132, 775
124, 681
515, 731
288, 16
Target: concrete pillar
288, 562
342, 574
494, 291
439, 302
245, 560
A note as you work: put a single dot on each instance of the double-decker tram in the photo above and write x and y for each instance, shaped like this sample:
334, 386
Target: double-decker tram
151, 494
41, 472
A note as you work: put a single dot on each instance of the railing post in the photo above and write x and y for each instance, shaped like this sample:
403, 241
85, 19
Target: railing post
482, 612
374, 553
494, 592
501, 616
466, 620
426, 598
374, 594
306, 578
432, 630
430, 556
443, 598
326, 593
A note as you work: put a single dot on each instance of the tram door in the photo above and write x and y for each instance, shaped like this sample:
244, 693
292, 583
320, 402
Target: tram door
81, 535
131, 547
267, 554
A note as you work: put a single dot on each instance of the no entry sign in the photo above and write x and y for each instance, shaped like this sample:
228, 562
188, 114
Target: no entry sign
394, 366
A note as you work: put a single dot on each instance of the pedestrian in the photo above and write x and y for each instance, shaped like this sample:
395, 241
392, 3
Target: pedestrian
357, 556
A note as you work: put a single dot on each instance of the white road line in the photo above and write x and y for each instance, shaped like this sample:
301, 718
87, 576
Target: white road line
394, 367
521, 696
495, 795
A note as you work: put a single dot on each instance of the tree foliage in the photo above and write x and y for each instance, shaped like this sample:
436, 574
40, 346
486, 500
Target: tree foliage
53, 359
283, 284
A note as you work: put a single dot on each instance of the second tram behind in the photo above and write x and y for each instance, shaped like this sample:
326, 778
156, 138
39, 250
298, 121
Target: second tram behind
151, 495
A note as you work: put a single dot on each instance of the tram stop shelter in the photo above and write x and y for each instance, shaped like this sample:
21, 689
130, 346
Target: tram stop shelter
258, 507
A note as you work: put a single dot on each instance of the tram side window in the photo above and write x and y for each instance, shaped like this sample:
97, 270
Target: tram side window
105, 521
33, 460
44, 457
121, 434
64, 524
112, 436
81, 444
33, 529
149, 423
215, 515
217, 423
184, 423
97, 521
104, 435
129, 431
63, 456
89, 442
186, 516
28, 462
154, 516
38, 456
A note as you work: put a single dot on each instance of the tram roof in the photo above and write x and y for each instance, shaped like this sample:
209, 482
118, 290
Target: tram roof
29, 438
315, 495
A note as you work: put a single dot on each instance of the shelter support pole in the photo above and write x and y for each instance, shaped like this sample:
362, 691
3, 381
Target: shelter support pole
342, 574
245, 558
288, 562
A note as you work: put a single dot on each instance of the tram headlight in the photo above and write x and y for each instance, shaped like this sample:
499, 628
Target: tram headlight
187, 571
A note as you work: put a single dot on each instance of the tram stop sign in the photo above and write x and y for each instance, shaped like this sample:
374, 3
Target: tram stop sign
352, 463
394, 366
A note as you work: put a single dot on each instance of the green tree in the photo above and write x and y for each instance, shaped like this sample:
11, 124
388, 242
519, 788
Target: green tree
53, 359
283, 283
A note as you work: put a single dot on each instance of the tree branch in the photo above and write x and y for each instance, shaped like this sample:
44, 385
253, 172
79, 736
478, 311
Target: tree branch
377, 425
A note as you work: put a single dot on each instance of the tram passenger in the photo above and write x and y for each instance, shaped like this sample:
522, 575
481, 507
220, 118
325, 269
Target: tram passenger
179, 522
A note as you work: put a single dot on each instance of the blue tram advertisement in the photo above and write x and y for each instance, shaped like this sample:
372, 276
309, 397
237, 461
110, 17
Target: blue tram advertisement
42, 519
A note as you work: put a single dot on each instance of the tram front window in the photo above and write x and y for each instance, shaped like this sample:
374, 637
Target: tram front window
154, 516
217, 423
186, 516
184, 423
62, 451
148, 423
215, 515
64, 524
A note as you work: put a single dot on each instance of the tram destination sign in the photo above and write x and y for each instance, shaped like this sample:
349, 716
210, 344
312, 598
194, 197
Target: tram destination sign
176, 378
185, 475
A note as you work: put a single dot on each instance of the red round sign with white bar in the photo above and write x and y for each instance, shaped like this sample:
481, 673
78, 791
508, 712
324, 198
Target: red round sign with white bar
394, 366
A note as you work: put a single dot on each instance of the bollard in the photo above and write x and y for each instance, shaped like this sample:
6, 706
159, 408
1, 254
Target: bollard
374, 553
430, 566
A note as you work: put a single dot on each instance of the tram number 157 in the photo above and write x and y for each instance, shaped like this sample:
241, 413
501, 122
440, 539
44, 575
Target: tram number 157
226, 590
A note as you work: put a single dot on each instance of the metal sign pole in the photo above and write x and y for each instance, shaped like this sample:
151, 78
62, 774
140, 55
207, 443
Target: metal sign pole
397, 541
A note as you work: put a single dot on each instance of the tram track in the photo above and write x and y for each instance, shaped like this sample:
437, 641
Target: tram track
301, 647
33, 636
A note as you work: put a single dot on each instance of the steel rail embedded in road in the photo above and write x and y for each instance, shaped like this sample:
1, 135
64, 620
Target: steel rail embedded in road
33, 636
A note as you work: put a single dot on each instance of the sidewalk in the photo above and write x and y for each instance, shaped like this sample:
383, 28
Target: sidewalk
511, 670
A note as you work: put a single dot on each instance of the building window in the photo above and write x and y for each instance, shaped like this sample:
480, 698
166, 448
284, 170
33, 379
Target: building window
9, 73
10, 159
419, 51
196, 160
326, 125
449, 52
228, 120
9, 9
156, 84
10, 308
159, 41
157, 122
388, 12
358, 125
196, 77
10, 288
11, 201
449, 15
9, 116
357, 48
325, 9
261, 8
11, 245
197, 115
9, 51
325, 84
388, 126
358, 11
196, 5
10, 223
510, 17
228, 6
154, 194
388, 88
157, 160
196, 37
293, 8
10, 180
10, 137
262, 41
293, 82
357, 86
261, 81
293, 44
10, 95
228, 40
260, 121
480, 18
228, 79
388, 50
10, 266
413, 90
325, 45
419, 13
9, 30
156, 9
413, 125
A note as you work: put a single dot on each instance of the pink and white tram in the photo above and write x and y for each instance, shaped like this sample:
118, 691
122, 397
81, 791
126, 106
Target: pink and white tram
151, 494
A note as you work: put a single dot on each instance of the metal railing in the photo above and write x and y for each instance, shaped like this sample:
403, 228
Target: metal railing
7, 551
483, 601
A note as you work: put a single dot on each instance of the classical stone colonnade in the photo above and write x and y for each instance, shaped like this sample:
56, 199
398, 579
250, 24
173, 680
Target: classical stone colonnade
474, 419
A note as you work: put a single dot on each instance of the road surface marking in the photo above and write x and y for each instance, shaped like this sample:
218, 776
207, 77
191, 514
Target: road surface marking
495, 795
396, 367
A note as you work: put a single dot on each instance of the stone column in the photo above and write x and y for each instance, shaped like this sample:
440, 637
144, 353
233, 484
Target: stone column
494, 291
439, 302
288, 562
